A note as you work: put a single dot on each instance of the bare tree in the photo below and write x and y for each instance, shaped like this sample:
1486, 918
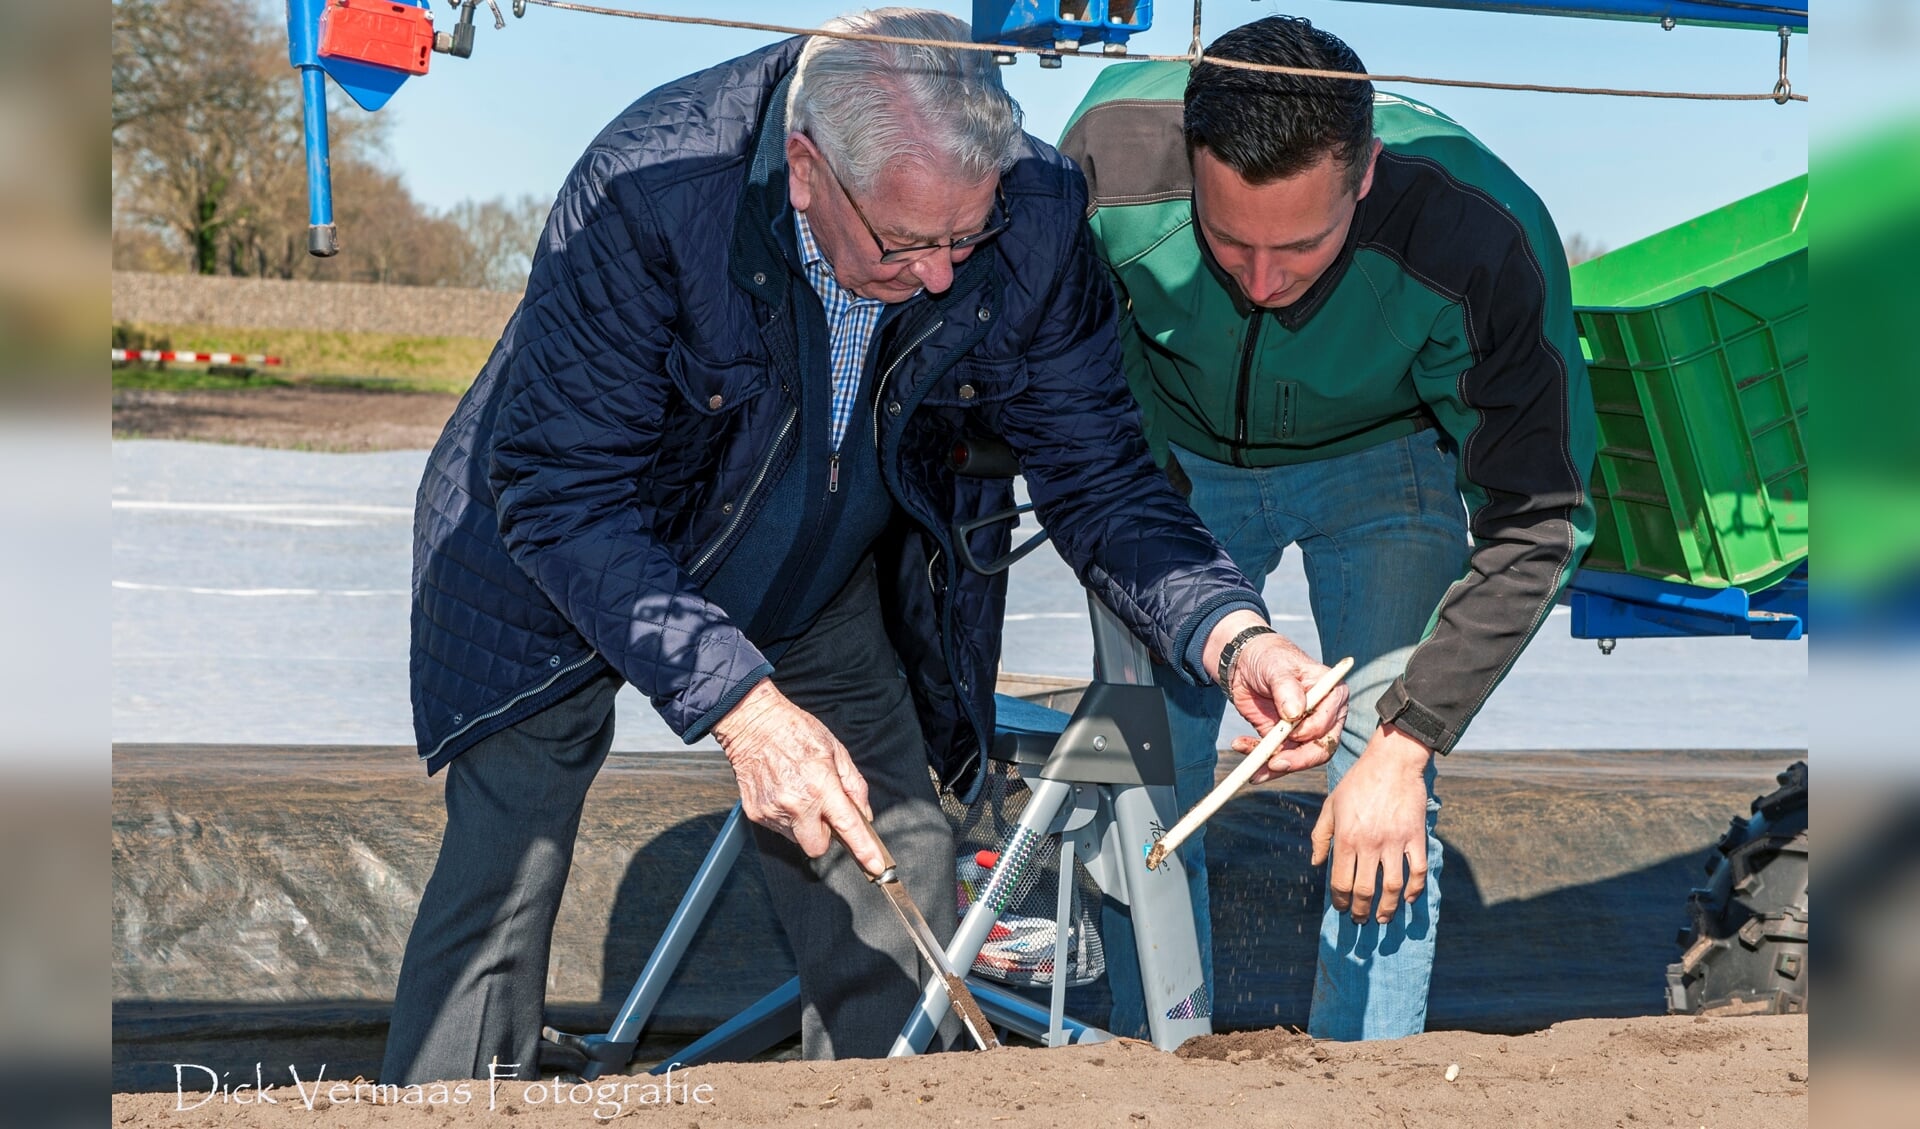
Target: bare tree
1580, 248
267, 233
168, 56
500, 235
387, 236
196, 93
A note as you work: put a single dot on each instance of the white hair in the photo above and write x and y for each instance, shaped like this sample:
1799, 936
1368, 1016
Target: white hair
869, 104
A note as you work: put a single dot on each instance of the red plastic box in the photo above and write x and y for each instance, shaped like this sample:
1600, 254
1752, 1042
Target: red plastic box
380, 32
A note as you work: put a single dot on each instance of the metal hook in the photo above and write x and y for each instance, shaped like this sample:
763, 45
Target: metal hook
1783, 90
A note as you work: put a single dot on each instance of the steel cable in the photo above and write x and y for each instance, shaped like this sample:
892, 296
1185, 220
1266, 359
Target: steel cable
1302, 72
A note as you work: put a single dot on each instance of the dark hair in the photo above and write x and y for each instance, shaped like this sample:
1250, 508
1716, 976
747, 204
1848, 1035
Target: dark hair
1268, 126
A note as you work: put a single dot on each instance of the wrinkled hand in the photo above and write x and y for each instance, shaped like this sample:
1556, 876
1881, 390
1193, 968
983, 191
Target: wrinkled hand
1271, 678
796, 777
1375, 826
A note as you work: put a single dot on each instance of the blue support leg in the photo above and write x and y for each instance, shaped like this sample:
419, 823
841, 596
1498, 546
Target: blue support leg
322, 239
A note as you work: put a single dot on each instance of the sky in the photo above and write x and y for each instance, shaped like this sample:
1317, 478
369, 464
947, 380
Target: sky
512, 119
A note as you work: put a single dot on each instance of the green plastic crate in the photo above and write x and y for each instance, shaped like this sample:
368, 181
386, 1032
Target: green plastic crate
1696, 341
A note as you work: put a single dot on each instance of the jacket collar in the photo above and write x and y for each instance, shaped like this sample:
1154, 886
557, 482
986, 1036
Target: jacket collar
759, 262
1301, 311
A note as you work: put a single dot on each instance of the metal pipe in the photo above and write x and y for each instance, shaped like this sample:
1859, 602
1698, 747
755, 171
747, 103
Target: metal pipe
1045, 802
1062, 926
1018, 1014
1118, 654
681, 928
322, 238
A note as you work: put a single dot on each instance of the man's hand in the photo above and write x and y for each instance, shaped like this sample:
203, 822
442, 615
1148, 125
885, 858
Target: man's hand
796, 777
1375, 825
1271, 678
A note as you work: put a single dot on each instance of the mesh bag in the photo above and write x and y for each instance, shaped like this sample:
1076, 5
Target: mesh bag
1022, 947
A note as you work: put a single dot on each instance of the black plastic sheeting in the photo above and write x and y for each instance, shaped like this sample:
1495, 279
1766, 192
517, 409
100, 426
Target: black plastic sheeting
262, 896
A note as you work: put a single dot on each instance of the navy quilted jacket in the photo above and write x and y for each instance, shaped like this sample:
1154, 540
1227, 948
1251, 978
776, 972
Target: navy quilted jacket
615, 442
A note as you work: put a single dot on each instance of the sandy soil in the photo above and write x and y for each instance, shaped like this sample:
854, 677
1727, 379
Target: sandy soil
314, 419
1676, 1071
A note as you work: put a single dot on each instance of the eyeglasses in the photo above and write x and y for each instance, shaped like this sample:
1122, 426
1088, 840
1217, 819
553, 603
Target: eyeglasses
998, 221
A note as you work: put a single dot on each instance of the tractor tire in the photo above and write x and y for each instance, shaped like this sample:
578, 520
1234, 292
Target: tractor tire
1744, 949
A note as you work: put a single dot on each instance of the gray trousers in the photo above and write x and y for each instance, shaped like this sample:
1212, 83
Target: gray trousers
472, 986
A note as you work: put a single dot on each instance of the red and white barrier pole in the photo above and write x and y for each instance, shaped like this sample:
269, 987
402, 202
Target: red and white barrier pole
195, 358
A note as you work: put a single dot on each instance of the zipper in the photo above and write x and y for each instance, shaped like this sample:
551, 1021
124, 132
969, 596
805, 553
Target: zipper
962, 694
879, 390
1245, 406
777, 603
510, 703
740, 507
944, 598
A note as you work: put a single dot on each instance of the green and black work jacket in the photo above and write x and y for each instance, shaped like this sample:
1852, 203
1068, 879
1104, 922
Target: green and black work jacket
1447, 307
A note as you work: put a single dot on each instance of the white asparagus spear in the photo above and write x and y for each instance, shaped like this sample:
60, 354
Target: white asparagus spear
1243, 772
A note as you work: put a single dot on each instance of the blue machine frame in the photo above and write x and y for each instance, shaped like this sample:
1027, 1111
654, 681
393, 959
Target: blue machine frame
1071, 24
1610, 605
1768, 14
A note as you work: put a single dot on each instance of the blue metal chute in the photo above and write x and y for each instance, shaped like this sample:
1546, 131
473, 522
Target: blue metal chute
1068, 25
1767, 14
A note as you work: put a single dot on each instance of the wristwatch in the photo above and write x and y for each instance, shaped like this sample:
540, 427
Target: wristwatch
1232, 651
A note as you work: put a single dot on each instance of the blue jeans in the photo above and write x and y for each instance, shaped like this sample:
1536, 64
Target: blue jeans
1383, 534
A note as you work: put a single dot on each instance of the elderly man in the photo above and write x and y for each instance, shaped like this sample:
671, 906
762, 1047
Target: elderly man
1343, 313
709, 458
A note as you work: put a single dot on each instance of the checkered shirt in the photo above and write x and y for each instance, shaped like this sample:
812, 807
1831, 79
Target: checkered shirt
851, 321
